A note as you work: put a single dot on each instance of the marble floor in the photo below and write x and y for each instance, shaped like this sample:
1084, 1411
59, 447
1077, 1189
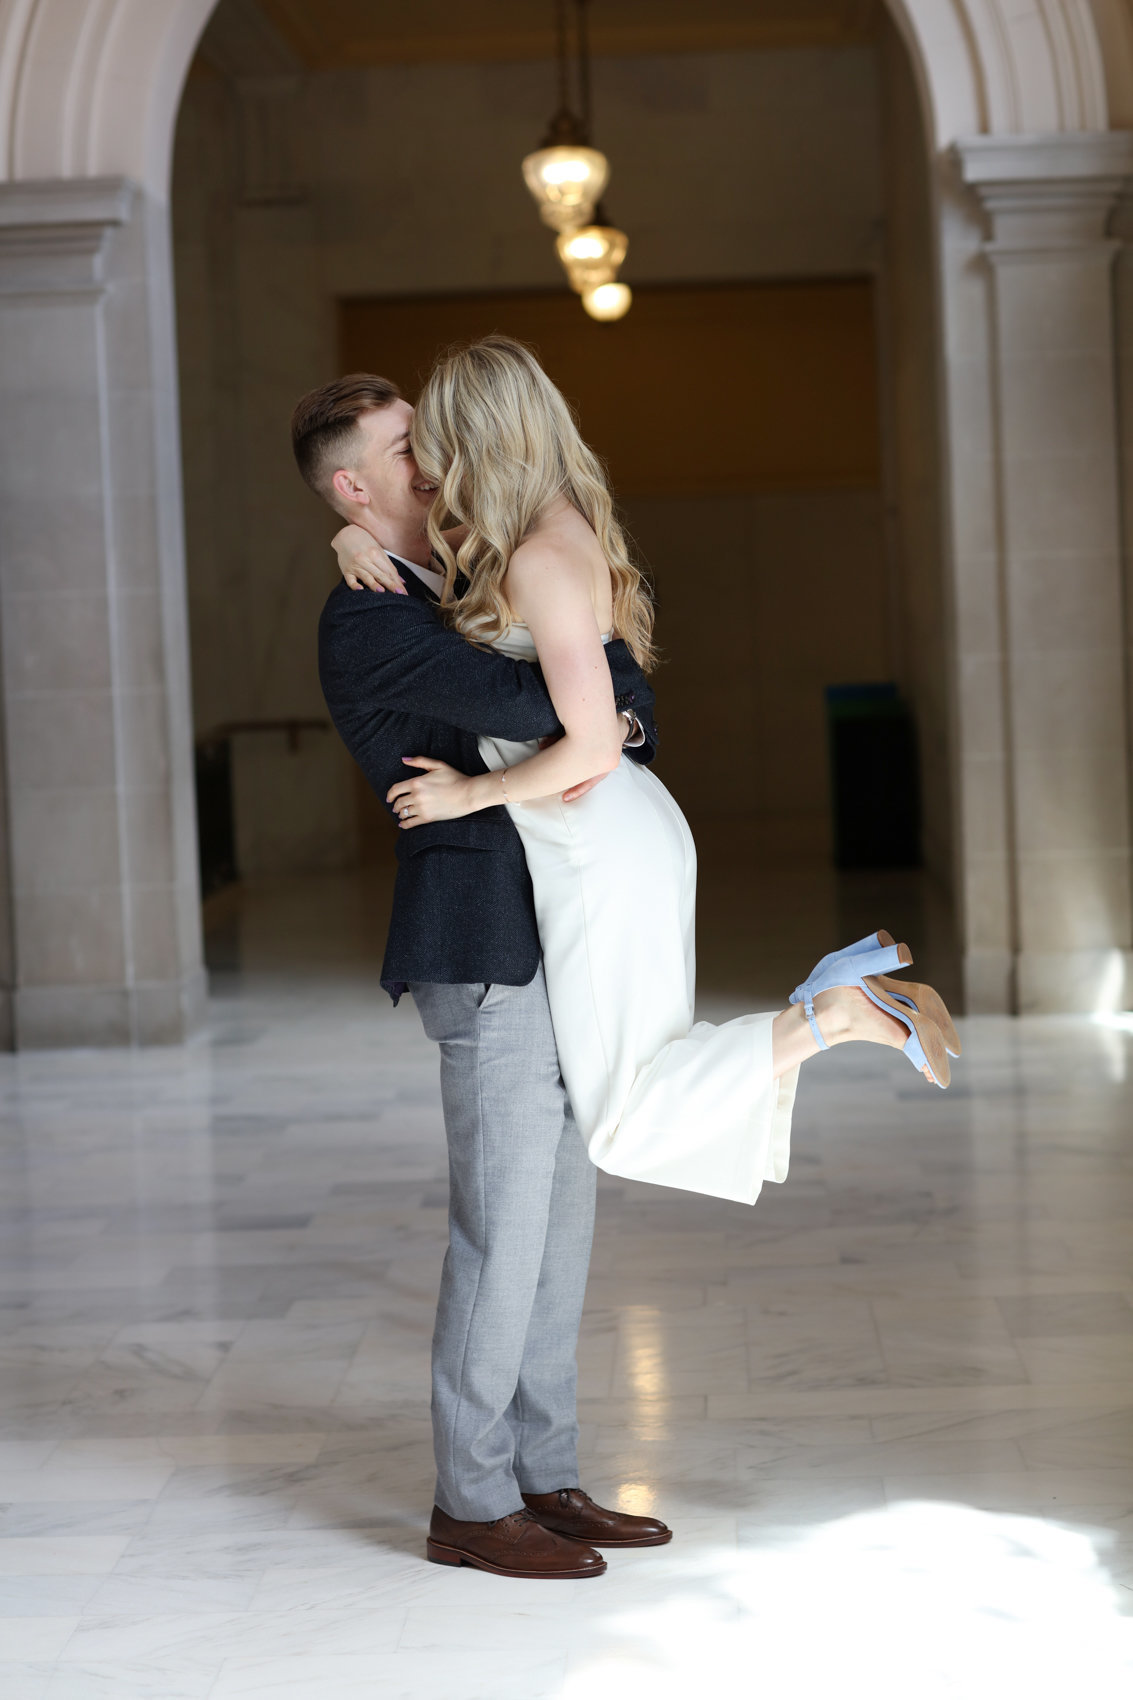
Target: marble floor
889, 1411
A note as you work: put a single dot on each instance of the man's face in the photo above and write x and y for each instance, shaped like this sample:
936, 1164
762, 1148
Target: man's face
384, 475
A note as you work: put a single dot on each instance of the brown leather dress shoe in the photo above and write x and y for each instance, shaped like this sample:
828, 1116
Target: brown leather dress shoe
515, 1545
573, 1513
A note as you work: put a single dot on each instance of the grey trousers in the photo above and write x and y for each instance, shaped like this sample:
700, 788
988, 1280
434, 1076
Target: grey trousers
521, 1221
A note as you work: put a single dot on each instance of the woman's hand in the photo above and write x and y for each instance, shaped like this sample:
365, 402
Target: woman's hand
363, 562
440, 793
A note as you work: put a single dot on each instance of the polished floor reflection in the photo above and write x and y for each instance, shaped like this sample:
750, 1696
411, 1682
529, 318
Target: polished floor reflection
889, 1411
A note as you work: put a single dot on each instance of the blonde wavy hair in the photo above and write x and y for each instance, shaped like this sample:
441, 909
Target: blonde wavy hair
498, 439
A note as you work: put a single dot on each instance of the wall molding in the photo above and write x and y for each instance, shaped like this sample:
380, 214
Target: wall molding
53, 234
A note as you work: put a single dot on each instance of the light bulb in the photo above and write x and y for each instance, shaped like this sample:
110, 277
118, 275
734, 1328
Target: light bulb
559, 172
579, 246
592, 255
608, 300
566, 182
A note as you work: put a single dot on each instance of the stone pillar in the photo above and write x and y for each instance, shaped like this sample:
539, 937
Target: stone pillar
102, 896
1049, 719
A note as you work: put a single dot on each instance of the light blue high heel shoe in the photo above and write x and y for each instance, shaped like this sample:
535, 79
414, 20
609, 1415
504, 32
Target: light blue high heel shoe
914, 993
872, 941
857, 967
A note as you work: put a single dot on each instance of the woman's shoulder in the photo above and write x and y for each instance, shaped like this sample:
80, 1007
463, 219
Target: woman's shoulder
563, 542
546, 559
557, 572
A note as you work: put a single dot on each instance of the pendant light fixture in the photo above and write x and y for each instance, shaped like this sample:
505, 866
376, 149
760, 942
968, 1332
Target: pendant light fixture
608, 301
592, 253
567, 177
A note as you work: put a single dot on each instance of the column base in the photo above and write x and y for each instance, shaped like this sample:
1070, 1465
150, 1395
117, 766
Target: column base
989, 982
1062, 982
1074, 982
162, 1012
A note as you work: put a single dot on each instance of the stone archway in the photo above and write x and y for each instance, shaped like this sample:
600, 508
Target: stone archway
104, 934
90, 87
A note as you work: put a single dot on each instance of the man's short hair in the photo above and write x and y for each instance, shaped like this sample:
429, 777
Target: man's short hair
324, 431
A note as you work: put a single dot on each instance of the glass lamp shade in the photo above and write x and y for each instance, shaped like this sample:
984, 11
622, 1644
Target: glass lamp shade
567, 183
608, 300
592, 254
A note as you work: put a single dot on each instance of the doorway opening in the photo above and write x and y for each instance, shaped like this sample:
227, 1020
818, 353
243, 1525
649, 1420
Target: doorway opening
767, 410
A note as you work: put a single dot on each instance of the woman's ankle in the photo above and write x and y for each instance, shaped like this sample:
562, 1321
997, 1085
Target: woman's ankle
833, 1011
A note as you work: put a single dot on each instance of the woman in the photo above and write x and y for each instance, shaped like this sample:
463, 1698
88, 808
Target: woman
703, 1107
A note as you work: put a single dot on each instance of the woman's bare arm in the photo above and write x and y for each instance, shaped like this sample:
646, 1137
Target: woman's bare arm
364, 564
550, 588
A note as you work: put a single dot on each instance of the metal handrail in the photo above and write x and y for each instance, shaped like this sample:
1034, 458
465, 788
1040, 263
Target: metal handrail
291, 725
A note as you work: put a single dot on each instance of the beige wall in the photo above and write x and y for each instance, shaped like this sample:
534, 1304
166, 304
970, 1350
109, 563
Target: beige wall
255, 330
914, 475
1123, 295
746, 165
740, 704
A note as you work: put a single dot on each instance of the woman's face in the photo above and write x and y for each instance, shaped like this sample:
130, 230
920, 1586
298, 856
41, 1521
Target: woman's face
431, 461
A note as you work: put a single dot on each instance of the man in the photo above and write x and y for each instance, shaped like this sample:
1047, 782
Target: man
464, 942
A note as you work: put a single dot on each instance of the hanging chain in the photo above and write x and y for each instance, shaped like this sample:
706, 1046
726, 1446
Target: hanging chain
564, 50
562, 31
584, 67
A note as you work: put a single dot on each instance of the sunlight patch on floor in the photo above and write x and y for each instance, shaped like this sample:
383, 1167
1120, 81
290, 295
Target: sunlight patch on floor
922, 1599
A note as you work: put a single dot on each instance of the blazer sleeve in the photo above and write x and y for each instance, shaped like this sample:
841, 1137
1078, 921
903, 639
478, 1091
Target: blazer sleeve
633, 691
644, 753
395, 653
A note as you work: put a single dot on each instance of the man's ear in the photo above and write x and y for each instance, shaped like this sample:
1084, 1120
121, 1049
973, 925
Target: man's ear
348, 487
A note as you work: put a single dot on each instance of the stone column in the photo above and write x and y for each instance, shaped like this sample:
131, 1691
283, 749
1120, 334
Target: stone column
102, 898
1053, 727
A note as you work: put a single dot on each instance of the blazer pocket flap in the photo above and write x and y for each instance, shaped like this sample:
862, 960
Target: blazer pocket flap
472, 832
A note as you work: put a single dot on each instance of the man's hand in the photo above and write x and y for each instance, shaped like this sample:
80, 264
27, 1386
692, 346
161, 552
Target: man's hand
363, 562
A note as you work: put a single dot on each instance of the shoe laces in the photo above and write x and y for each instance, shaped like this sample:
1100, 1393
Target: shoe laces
515, 1518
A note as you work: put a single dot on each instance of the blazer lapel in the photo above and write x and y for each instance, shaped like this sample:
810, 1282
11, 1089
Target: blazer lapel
418, 588
414, 585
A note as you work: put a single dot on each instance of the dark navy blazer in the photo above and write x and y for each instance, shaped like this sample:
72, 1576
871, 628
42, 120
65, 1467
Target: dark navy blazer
398, 682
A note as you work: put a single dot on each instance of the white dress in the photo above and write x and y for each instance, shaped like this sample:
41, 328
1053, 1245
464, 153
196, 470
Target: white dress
656, 1098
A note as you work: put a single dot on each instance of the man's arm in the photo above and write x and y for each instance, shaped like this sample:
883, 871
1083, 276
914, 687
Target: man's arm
637, 706
395, 652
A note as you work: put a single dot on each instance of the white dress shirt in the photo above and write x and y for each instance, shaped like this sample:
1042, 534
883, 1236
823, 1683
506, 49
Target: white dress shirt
429, 576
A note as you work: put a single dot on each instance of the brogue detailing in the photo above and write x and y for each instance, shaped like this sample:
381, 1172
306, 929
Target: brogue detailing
572, 1512
577, 1502
514, 1525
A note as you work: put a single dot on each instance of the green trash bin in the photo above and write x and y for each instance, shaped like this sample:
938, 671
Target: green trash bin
874, 777
216, 822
